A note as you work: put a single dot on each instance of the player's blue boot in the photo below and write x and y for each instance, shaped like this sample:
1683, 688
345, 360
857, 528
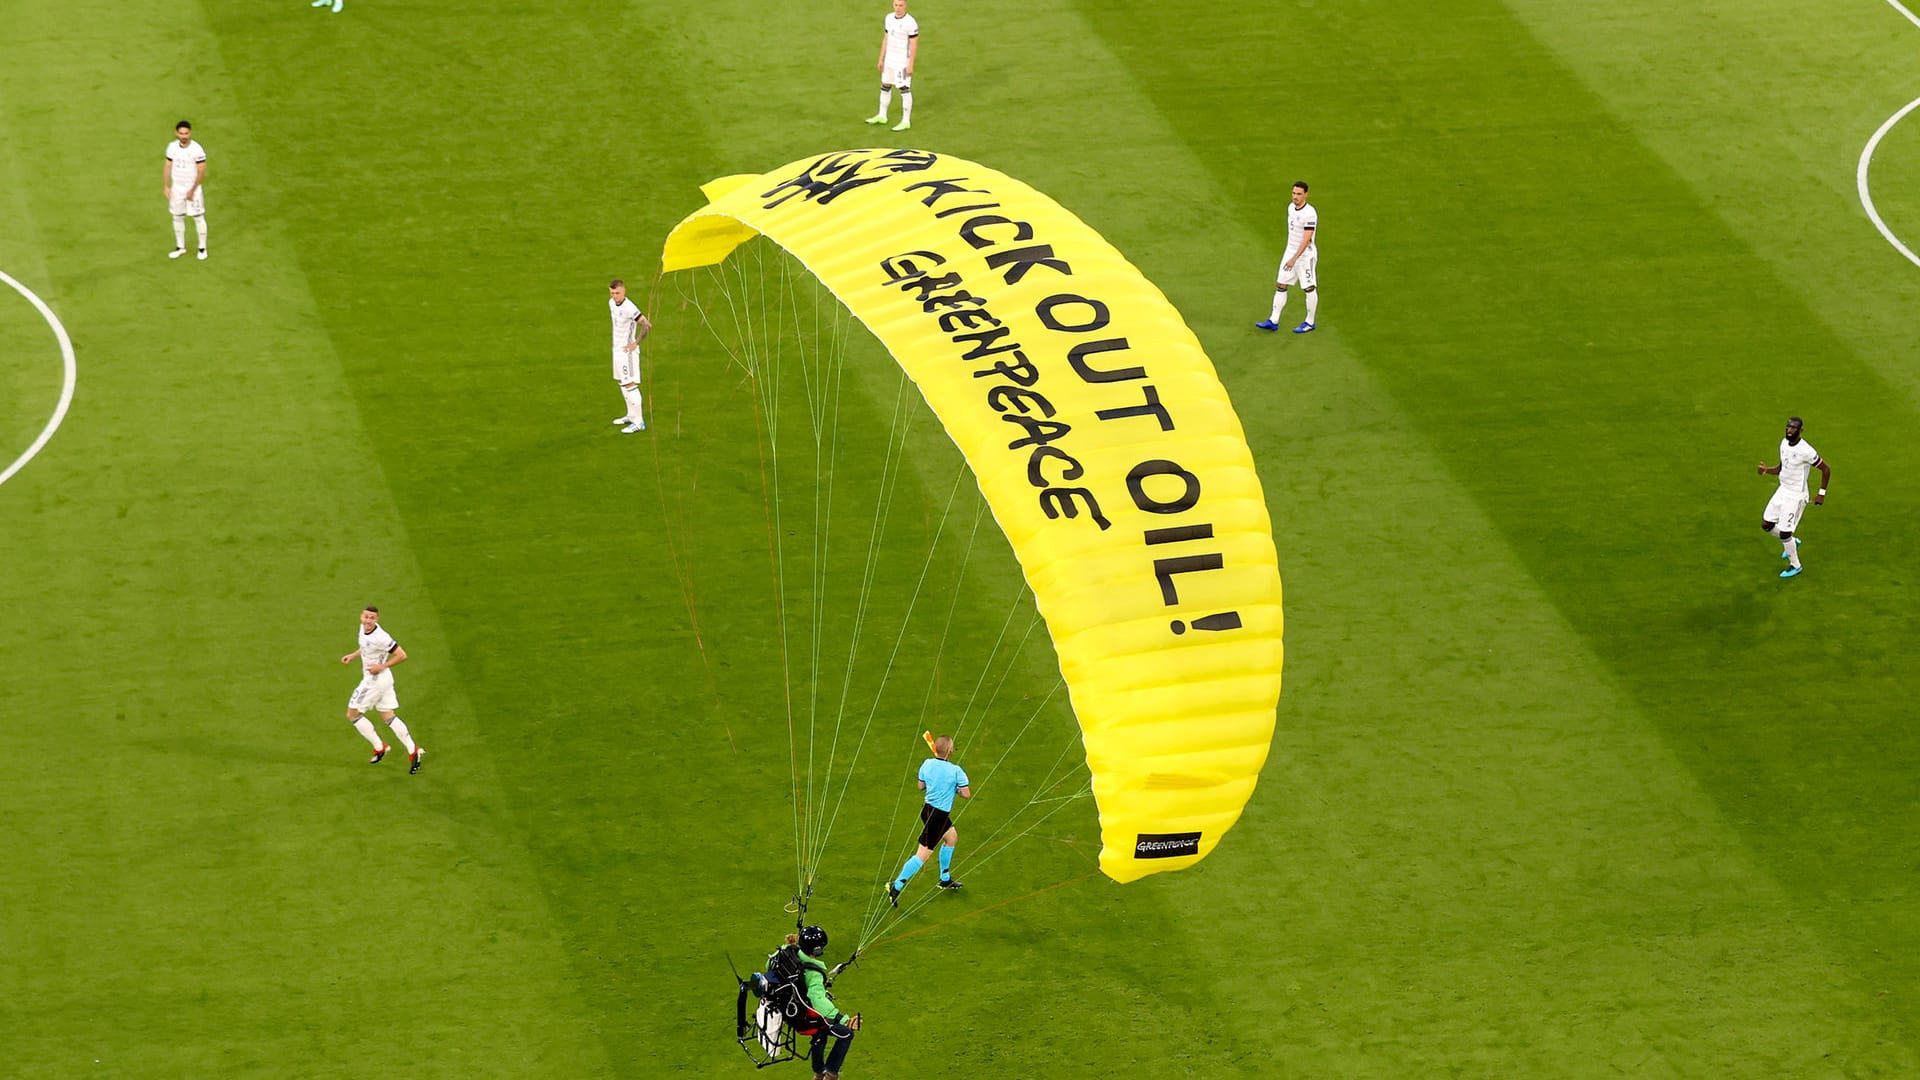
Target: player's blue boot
1791, 571
1267, 324
1801, 543
1304, 328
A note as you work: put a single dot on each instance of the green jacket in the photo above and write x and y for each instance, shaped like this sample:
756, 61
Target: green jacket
813, 972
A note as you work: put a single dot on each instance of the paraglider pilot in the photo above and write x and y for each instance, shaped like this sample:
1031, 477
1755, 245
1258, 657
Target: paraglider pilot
806, 949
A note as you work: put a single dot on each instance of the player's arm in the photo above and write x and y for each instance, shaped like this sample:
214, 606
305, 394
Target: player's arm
882, 63
1306, 241
641, 327
397, 656
1826, 477
966, 791
166, 177
1773, 470
913, 50
199, 174
923, 785
350, 657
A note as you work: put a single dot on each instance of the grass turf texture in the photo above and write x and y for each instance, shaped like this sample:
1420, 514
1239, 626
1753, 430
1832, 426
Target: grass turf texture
1566, 782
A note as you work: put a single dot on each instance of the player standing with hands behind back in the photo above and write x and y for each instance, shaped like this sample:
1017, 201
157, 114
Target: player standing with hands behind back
899, 47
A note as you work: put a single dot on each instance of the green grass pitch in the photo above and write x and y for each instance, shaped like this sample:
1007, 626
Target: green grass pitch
1566, 782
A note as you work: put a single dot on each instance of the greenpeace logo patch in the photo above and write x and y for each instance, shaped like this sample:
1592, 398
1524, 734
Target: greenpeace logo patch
1166, 845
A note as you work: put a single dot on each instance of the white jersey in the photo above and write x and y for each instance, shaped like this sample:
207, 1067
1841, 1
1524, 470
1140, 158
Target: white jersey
375, 646
900, 30
1299, 220
626, 321
1795, 462
186, 161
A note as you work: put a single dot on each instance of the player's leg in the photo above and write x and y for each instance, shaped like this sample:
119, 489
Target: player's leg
1310, 287
200, 228
906, 105
1279, 305
947, 843
886, 102
400, 731
365, 727
1788, 544
636, 407
179, 210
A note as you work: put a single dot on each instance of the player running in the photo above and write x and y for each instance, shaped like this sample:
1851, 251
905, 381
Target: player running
899, 47
1782, 516
378, 652
186, 168
941, 779
1300, 263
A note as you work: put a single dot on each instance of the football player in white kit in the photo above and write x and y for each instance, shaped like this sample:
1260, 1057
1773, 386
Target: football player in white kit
630, 326
899, 47
1300, 264
1782, 517
378, 652
180, 179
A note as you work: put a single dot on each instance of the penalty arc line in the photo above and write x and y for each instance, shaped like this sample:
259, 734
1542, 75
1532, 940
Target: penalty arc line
1866, 158
1866, 197
66, 388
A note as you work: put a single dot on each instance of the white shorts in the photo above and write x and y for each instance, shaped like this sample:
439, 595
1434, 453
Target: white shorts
896, 75
626, 366
374, 694
195, 206
1302, 270
1785, 508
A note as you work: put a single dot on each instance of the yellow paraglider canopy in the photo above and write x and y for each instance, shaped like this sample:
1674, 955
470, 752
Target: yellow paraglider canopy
1102, 441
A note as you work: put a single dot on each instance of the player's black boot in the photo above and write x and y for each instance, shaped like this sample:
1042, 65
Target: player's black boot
419, 756
893, 893
380, 753
949, 883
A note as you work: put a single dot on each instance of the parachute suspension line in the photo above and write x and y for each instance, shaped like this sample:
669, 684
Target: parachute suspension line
1013, 660
891, 467
886, 673
822, 380
763, 375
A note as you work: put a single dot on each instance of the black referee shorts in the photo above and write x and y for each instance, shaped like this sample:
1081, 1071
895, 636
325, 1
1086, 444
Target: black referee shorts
938, 822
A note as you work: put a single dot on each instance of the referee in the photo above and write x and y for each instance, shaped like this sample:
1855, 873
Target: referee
941, 779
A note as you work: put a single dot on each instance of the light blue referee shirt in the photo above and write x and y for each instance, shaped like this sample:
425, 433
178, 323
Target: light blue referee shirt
944, 780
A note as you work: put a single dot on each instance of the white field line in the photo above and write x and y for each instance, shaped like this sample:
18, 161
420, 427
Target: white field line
1866, 157
66, 387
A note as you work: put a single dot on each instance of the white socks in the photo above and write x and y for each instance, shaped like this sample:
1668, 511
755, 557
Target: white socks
400, 732
886, 100
636, 408
365, 727
199, 223
1279, 305
906, 104
1313, 304
1792, 548
179, 233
